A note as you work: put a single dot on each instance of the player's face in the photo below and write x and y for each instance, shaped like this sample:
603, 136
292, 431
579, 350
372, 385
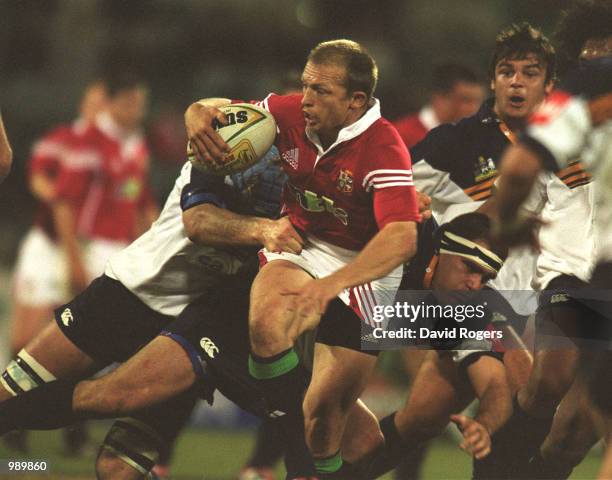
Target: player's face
467, 98
462, 101
519, 87
459, 274
128, 107
94, 100
327, 105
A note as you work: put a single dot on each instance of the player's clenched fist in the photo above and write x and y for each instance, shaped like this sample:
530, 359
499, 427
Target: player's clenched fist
280, 236
476, 438
205, 141
424, 204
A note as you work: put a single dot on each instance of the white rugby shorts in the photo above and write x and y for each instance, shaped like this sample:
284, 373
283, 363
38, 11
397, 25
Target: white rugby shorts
320, 259
41, 271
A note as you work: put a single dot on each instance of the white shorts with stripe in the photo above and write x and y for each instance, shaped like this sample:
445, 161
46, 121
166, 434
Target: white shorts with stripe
320, 259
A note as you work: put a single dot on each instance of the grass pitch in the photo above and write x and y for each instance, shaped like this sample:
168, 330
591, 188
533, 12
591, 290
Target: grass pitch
218, 455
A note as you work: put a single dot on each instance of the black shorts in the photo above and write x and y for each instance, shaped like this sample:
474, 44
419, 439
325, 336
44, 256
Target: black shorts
214, 332
341, 327
108, 322
566, 310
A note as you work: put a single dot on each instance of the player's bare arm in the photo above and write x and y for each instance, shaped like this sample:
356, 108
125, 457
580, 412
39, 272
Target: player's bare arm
518, 171
211, 225
6, 152
42, 187
390, 247
205, 141
65, 224
488, 378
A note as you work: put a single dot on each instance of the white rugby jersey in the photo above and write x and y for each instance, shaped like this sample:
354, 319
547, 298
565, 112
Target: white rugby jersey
561, 131
164, 268
567, 239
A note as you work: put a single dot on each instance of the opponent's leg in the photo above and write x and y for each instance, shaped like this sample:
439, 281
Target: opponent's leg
139, 440
48, 356
435, 395
572, 435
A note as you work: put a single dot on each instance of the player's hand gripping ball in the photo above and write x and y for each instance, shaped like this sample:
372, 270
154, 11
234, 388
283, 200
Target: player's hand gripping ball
250, 132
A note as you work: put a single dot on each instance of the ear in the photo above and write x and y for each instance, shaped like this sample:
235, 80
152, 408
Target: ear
492, 85
549, 87
358, 100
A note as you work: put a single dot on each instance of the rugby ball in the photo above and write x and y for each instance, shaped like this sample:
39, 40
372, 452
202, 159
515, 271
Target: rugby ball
250, 132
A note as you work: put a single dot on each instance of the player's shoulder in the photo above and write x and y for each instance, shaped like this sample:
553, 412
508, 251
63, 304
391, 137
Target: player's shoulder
382, 132
407, 121
58, 133
286, 109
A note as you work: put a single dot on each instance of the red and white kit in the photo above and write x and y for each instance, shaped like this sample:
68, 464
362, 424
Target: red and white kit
102, 174
340, 197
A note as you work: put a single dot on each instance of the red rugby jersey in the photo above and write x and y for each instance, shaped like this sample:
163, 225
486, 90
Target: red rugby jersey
106, 181
413, 128
345, 194
49, 154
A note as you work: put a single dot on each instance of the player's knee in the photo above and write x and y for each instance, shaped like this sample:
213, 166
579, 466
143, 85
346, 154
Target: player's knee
267, 334
22, 374
131, 449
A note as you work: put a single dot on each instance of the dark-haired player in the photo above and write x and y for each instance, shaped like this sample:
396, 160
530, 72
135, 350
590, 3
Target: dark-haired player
458, 257
573, 124
460, 167
350, 193
456, 93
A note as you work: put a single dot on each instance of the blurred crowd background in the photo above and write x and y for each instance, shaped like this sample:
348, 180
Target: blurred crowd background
189, 49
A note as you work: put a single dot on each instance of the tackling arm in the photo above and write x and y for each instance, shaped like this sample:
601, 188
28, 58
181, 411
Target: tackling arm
212, 225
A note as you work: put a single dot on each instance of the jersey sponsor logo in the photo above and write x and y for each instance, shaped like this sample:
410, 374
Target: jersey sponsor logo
345, 181
484, 168
209, 347
292, 157
551, 108
485, 173
276, 414
67, 318
312, 202
559, 298
130, 189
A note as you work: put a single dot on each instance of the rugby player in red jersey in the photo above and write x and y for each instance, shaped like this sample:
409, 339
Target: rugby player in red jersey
39, 287
456, 93
351, 198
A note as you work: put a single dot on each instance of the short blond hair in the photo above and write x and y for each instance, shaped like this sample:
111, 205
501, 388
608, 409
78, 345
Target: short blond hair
361, 68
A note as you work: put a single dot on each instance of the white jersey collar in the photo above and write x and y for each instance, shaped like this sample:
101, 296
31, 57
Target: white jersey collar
351, 131
428, 118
